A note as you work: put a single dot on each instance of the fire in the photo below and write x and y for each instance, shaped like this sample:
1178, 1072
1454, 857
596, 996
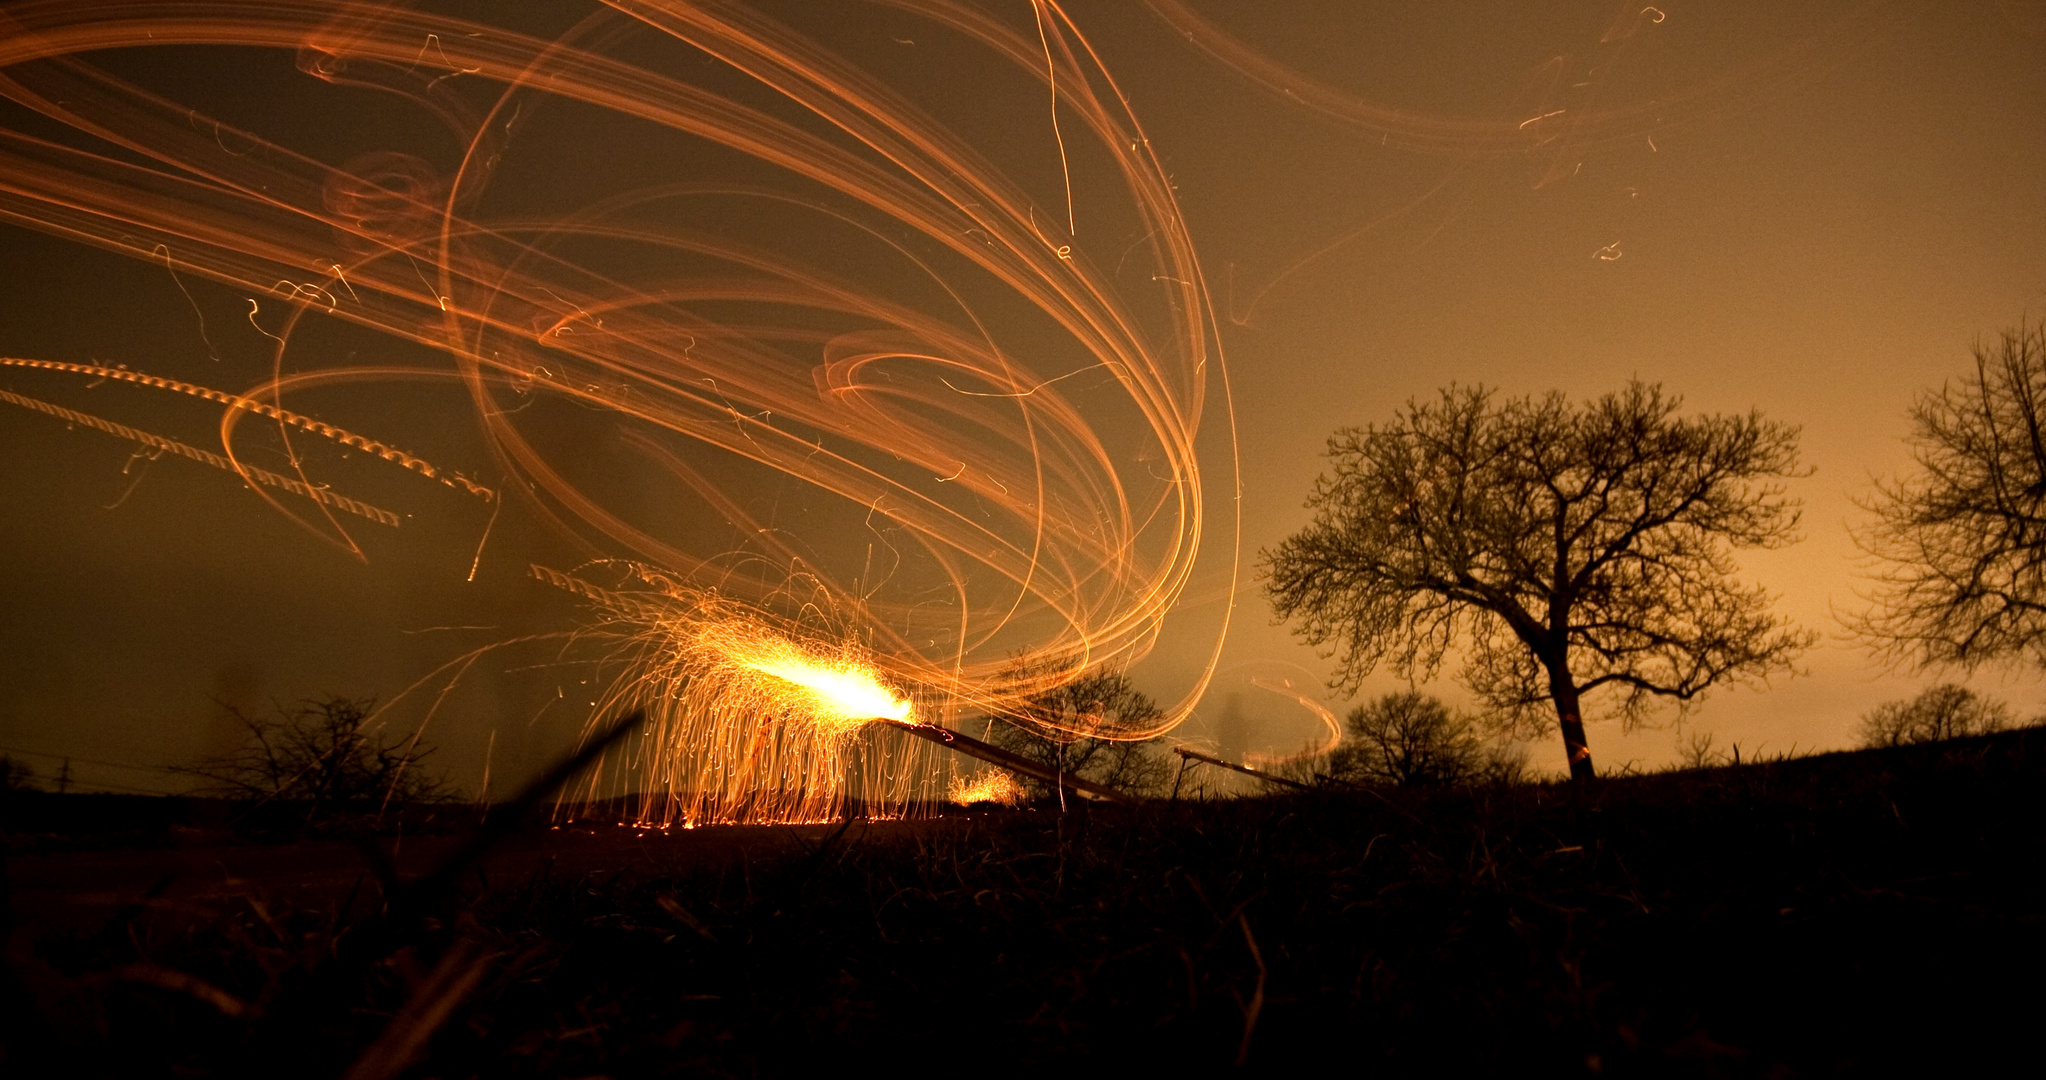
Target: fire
835, 693
993, 786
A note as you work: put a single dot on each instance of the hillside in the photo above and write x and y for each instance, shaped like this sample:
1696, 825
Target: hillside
1840, 914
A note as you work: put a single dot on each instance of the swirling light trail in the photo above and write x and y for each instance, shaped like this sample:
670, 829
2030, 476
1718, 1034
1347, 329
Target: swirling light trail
1000, 438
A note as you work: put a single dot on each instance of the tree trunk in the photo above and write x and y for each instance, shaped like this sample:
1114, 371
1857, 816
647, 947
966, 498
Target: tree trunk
1564, 691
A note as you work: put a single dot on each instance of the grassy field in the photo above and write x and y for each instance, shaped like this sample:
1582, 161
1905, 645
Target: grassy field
1843, 914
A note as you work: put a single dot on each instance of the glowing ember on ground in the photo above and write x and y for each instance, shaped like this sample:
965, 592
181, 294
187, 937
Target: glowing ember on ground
993, 786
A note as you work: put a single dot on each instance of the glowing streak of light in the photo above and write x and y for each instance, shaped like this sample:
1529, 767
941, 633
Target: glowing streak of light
910, 381
261, 408
1051, 78
1331, 728
254, 475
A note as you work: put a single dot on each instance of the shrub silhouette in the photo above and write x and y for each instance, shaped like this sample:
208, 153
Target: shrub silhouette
1946, 711
17, 776
1414, 740
323, 756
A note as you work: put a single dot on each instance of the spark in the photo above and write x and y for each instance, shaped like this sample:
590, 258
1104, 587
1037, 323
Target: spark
254, 309
1051, 78
343, 279
164, 249
747, 722
433, 43
496, 506
292, 290
159, 444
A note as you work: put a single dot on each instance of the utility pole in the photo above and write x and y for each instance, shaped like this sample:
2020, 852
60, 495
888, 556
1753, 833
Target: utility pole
64, 777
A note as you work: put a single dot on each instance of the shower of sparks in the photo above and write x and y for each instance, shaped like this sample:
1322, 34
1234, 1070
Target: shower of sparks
874, 393
746, 722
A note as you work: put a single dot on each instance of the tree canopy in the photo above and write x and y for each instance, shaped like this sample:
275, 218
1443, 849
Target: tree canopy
1561, 549
1961, 541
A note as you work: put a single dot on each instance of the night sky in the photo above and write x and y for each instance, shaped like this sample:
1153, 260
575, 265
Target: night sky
1813, 209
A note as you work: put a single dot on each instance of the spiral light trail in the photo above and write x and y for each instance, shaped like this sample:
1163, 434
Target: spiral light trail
904, 417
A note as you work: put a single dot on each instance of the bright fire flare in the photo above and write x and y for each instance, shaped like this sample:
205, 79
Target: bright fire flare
840, 694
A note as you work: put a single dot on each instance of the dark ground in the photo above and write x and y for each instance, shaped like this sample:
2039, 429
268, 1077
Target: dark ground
1866, 913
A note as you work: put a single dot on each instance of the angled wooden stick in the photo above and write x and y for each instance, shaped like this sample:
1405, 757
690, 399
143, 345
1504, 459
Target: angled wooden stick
995, 755
1196, 755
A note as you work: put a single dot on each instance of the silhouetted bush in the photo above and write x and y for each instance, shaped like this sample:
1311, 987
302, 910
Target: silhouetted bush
1946, 711
319, 760
1409, 739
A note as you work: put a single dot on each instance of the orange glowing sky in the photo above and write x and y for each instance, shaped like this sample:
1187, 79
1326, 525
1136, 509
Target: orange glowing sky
1820, 247
1836, 202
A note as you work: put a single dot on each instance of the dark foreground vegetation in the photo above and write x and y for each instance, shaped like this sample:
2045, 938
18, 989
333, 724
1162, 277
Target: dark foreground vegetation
1843, 914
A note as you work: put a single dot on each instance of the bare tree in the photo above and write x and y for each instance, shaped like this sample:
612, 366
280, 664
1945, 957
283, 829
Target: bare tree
321, 754
1962, 540
1696, 752
1563, 550
1104, 701
1946, 711
1409, 739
